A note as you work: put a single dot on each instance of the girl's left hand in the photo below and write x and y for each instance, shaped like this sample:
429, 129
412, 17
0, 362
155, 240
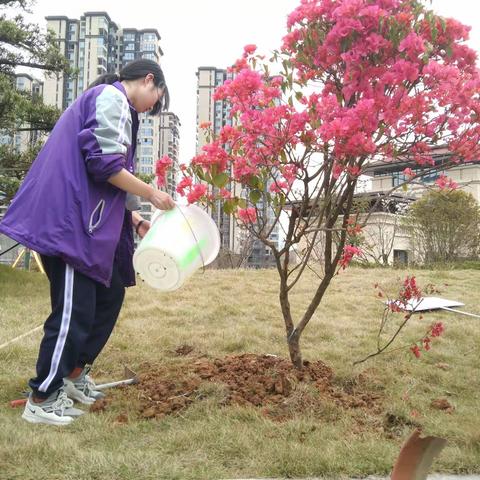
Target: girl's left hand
144, 228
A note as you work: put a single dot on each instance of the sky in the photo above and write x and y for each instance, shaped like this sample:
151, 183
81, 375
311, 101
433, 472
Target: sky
198, 33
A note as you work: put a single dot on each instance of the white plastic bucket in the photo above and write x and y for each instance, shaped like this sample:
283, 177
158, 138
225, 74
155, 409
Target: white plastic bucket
178, 242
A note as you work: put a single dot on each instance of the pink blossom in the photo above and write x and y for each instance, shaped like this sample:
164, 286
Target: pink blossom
184, 183
239, 65
413, 45
228, 134
213, 155
354, 170
243, 87
337, 170
437, 329
349, 251
410, 290
225, 194
416, 351
197, 191
247, 215
161, 168
290, 173
443, 182
249, 49
409, 172
276, 81
278, 186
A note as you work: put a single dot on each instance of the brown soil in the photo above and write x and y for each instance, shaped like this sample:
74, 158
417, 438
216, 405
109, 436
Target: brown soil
442, 404
183, 350
266, 382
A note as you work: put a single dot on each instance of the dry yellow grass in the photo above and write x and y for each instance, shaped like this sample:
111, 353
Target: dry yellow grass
225, 312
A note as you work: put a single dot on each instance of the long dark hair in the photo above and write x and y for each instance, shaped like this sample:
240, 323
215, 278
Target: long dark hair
140, 69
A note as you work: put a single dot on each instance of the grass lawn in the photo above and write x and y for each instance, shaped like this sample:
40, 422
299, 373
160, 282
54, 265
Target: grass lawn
232, 312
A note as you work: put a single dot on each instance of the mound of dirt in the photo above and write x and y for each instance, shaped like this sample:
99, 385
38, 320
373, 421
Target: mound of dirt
267, 382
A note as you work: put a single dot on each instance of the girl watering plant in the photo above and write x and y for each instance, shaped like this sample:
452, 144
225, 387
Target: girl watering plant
74, 210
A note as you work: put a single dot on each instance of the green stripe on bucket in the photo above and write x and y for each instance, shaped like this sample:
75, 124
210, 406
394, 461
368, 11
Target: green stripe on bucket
169, 213
192, 254
158, 224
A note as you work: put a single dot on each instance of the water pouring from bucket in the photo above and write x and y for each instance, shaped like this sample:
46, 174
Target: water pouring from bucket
179, 242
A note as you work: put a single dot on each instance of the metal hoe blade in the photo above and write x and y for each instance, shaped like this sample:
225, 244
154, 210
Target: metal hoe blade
131, 379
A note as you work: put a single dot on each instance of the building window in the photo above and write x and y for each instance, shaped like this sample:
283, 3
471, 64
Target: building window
149, 37
400, 257
128, 56
398, 178
431, 177
130, 46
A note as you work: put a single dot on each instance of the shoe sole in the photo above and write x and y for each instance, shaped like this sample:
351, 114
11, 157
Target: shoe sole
34, 419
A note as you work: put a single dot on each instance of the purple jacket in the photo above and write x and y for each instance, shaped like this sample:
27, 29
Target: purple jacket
65, 207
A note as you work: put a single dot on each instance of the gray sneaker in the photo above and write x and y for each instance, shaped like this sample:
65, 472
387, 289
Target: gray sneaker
57, 409
82, 388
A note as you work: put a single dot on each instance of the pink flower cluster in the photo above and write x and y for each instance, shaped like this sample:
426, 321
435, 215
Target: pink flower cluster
349, 251
213, 155
247, 215
194, 192
197, 191
435, 331
161, 168
246, 88
409, 291
444, 183
412, 69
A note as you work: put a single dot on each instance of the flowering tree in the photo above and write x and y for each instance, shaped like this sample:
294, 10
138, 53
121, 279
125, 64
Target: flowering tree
354, 81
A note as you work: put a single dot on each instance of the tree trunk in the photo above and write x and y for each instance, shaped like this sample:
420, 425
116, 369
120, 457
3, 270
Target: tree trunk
294, 350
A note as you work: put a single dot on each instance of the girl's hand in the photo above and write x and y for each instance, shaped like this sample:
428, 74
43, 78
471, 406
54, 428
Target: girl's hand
144, 228
161, 200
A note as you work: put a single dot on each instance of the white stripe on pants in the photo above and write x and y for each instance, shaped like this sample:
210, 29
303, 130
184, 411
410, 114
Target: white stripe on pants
65, 325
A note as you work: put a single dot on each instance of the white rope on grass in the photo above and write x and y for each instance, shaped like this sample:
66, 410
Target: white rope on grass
13, 340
